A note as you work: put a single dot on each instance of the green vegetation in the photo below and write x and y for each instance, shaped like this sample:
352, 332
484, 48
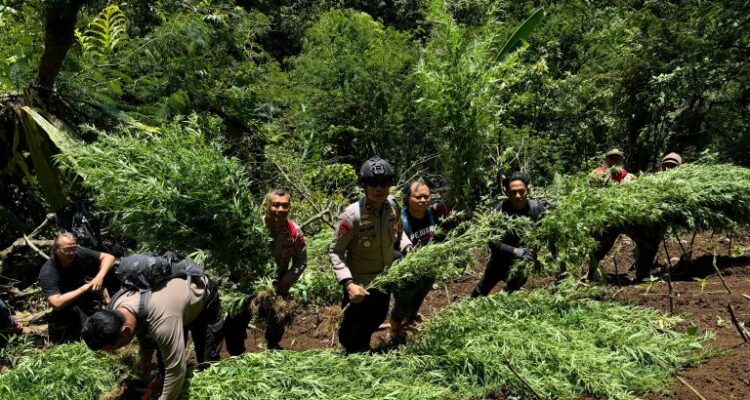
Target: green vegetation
69, 371
693, 197
564, 347
447, 260
173, 189
187, 112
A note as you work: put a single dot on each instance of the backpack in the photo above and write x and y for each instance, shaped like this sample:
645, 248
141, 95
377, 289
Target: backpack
406, 226
77, 219
147, 272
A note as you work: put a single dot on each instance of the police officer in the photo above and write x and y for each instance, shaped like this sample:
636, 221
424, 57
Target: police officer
290, 255
367, 232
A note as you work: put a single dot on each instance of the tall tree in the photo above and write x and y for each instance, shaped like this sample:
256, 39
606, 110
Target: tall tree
60, 18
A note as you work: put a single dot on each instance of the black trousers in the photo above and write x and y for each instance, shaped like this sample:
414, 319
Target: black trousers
646, 246
361, 320
498, 269
65, 325
208, 329
409, 299
236, 329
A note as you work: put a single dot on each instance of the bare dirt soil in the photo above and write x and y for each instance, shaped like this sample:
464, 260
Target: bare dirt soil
698, 294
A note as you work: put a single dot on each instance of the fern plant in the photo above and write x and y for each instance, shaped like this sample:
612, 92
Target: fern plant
104, 33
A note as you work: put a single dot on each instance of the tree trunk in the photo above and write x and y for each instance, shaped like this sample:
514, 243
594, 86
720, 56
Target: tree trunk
59, 27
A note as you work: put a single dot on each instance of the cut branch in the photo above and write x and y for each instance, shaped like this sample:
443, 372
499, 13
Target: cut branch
669, 277
692, 389
523, 380
34, 318
22, 242
723, 282
33, 247
742, 332
315, 217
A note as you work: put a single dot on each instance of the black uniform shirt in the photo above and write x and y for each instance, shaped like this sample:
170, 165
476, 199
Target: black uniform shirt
55, 279
534, 210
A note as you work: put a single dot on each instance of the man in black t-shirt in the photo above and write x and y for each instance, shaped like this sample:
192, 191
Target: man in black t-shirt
511, 246
73, 280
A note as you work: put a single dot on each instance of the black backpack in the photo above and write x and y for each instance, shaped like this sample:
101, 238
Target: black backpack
77, 219
146, 272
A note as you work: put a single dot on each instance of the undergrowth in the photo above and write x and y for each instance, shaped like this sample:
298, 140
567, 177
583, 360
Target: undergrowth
69, 371
564, 348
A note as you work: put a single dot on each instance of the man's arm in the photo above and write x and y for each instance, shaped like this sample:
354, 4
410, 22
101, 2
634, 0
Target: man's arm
106, 261
168, 335
60, 301
338, 247
299, 263
50, 283
405, 244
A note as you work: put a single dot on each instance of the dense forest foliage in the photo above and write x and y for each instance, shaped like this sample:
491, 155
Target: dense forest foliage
175, 117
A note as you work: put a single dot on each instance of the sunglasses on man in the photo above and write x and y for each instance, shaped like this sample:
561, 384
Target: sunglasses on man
67, 251
378, 182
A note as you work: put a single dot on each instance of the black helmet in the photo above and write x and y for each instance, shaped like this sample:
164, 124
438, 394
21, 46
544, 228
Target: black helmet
376, 168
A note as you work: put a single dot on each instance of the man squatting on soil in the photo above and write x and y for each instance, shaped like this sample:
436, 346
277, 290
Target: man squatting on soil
367, 234
73, 281
181, 305
420, 220
288, 243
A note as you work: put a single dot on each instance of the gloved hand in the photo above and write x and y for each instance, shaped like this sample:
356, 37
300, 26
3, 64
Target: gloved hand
523, 253
285, 283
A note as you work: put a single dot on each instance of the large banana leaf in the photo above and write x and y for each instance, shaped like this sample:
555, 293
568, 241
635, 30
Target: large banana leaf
41, 134
522, 33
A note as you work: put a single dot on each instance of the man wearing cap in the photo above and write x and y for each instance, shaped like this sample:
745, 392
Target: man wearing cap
671, 160
646, 239
612, 169
367, 232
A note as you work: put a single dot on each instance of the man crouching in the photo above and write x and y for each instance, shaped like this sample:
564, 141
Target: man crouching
161, 321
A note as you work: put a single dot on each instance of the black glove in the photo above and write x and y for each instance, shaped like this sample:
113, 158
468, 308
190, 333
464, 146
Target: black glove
523, 253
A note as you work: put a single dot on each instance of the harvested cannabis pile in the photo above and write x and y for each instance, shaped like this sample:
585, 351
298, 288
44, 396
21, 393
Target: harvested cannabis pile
563, 348
69, 371
692, 197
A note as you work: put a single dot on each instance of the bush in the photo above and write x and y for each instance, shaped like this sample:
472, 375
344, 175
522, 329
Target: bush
692, 197
173, 189
349, 82
461, 83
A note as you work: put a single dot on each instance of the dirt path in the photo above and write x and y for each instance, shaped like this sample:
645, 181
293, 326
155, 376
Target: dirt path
703, 302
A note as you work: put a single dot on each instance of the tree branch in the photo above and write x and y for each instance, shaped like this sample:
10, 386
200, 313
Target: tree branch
315, 217
303, 192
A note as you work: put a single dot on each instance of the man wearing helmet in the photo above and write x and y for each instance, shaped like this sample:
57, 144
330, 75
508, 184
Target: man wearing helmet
367, 232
